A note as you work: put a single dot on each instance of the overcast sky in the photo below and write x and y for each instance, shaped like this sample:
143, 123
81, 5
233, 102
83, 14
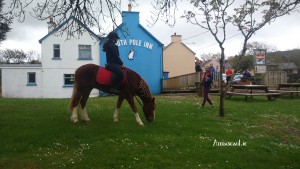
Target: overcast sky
283, 33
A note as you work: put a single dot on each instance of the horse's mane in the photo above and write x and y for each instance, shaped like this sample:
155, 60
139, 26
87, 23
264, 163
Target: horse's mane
138, 84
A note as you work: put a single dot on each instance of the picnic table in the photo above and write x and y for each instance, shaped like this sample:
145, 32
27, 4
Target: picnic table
252, 90
287, 88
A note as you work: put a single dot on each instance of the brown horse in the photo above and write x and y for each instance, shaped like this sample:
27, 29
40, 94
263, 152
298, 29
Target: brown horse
85, 81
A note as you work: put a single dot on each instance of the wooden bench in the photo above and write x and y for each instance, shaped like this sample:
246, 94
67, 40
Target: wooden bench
270, 96
287, 88
291, 92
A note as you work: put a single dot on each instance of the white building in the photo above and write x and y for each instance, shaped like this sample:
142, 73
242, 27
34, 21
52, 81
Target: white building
60, 58
22, 81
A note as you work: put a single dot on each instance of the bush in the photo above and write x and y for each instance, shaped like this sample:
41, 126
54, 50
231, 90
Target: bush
259, 79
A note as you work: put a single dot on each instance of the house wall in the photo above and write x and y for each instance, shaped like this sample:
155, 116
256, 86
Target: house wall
49, 75
54, 70
147, 59
178, 59
215, 62
15, 82
68, 51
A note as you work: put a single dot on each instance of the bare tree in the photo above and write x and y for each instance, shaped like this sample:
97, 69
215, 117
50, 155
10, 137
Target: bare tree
216, 18
13, 56
164, 10
92, 13
212, 16
33, 57
260, 45
245, 17
6, 56
209, 56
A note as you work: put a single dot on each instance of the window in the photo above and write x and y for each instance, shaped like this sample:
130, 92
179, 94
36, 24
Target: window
69, 79
56, 51
85, 52
31, 80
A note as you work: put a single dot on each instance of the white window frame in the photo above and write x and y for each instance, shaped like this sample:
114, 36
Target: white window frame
84, 52
69, 78
56, 52
29, 82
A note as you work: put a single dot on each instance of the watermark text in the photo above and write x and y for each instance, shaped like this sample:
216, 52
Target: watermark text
238, 143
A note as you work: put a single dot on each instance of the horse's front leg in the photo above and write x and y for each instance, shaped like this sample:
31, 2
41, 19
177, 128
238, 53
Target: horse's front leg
133, 107
74, 117
117, 110
83, 101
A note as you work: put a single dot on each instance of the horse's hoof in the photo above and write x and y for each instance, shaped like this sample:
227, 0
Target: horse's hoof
74, 121
87, 121
116, 120
141, 124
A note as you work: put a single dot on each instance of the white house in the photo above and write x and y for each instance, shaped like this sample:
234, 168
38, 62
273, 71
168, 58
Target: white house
21, 81
55, 76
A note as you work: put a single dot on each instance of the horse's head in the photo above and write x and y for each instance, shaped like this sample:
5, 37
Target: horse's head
149, 109
144, 93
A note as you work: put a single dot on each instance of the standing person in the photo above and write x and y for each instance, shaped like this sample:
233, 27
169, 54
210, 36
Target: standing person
113, 61
198, 67
246, 74
228, 75
206, 82
212, 68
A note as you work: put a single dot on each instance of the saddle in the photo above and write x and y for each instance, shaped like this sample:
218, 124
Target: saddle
106, 77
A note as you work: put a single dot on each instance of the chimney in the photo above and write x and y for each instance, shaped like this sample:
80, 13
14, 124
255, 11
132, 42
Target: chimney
131, 18
176, 38
129, 7
51, 24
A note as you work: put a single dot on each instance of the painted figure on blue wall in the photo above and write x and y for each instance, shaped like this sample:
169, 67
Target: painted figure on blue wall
131, 54
113, 60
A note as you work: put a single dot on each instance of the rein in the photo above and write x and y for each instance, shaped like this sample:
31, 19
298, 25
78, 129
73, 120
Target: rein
138, 101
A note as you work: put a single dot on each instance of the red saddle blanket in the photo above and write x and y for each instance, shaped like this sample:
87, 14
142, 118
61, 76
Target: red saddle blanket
104, 76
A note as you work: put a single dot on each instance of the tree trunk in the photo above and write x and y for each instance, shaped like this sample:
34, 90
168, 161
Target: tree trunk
222, 95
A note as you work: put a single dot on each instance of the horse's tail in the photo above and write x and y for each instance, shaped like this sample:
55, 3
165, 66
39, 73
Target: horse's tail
71, 104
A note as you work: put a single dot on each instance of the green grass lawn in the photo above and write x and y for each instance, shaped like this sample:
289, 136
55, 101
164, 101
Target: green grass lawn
37, 133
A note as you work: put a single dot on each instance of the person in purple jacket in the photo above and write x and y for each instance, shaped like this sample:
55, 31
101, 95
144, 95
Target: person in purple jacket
206, 83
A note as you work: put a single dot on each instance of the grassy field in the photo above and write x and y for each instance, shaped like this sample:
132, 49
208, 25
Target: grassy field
37, 133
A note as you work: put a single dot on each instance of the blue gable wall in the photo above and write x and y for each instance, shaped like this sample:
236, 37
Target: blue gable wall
148, 51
